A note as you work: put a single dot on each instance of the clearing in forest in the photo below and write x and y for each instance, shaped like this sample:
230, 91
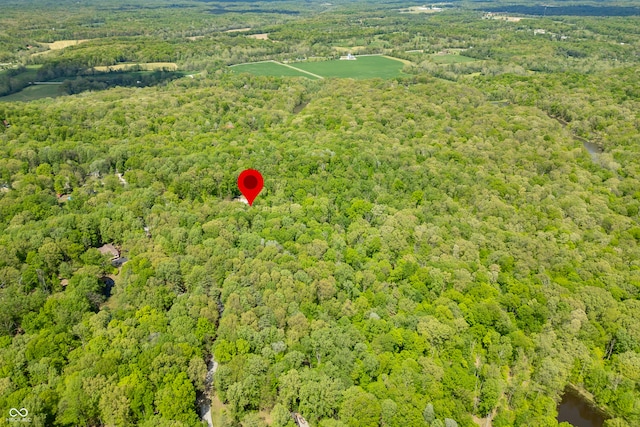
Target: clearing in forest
270, 68
31, 93
364, 67
447, 58
421, 9
30, 72
60, 44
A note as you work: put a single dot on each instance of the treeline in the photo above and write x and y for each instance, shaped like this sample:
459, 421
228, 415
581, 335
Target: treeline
568, 10
512, 47
61, 68
78, 78
14, 80
118, 78
33, 23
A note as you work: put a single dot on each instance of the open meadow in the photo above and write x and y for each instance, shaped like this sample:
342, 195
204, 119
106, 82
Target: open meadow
269, 68
364, 67
31, 93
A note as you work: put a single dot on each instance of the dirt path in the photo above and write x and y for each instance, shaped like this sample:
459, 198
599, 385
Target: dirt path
300, 70
255, 62
483, 422
404, 61
284, 65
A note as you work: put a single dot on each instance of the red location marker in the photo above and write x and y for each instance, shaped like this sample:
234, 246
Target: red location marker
250, 183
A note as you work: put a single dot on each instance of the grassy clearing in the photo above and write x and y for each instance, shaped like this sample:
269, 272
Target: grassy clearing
39, 91
269, 69
365, 67
29, 73
451, 59
101, 75
32, 93
60, 44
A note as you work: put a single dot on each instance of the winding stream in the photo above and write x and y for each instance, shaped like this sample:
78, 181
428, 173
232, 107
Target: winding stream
205, 399
594, 149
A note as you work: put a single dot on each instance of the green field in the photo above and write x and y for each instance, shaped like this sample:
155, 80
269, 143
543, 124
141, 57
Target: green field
122, 74
30, 73
269, 69
31, 93
451, 59
365, 67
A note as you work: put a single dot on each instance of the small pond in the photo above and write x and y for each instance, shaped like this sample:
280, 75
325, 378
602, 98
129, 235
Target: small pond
593, 149
578, 411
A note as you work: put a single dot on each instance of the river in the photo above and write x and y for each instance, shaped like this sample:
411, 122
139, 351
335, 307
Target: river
578, 411
594, 149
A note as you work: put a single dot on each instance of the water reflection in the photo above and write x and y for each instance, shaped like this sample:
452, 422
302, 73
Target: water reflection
577, 411
593, 149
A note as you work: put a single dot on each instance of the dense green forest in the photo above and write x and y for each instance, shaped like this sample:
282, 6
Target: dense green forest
442, 248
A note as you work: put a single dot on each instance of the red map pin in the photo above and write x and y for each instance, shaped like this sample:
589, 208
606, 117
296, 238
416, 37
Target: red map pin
250, 183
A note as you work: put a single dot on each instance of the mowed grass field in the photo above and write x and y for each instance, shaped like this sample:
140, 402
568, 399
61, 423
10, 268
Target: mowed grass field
365, 67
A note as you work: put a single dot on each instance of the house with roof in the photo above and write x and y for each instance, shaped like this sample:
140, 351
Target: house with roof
110, 250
